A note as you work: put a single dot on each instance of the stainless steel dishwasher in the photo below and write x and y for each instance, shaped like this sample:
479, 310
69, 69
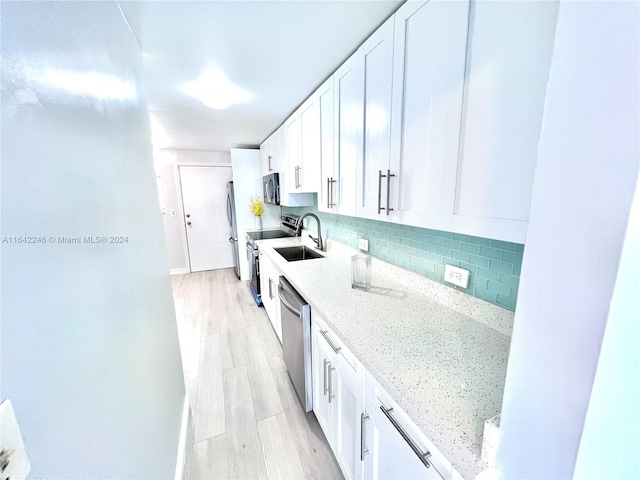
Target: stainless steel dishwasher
295, 316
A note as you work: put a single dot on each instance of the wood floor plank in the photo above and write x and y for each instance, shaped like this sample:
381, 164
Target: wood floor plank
243, 440
266, 401
315, 453
190, 336
280, 452
195, 305
270, 343
210, 459
210, 403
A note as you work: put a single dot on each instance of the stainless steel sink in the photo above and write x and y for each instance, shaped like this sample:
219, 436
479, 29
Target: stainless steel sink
299, 252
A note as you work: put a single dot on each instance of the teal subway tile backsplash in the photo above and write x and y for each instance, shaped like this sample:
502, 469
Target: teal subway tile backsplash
494, 264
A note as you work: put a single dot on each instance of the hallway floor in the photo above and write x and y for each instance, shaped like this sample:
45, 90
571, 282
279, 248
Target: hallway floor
247, 421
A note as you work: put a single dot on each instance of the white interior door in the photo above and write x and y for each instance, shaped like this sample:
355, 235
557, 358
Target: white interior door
204, 197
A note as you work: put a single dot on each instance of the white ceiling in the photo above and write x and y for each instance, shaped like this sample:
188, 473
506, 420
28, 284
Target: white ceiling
279, 51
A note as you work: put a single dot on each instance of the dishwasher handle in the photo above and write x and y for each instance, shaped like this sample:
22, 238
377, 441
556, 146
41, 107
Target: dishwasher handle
286, 303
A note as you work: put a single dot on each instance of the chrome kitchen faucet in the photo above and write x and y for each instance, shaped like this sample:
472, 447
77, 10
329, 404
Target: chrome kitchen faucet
320, 244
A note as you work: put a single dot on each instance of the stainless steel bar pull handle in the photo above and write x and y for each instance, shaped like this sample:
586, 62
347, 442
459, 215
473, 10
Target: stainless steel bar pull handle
380, 208
420, 454
324, 371
332, 182
364, 451
269, 162
389, 175
326, 337
331, 394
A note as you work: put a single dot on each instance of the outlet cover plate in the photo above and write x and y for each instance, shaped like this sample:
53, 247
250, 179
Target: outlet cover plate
363, 244
457, 276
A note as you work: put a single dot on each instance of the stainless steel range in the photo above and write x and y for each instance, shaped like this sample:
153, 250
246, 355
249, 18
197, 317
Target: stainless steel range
287, 229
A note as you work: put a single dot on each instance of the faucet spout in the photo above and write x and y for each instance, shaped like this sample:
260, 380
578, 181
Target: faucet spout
319, 243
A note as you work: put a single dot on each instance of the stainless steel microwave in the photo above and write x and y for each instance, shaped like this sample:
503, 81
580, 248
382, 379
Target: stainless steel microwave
271, 188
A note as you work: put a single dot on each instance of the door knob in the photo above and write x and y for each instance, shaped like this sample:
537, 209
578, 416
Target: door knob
188, 223
188, 215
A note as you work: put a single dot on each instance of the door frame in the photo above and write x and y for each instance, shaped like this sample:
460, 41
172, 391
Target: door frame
176, 168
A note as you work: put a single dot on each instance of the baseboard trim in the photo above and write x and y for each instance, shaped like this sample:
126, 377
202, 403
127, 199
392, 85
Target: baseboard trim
182, 443
179, 271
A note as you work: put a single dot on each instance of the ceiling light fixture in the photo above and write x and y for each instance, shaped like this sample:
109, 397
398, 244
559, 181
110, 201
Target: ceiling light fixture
216, 91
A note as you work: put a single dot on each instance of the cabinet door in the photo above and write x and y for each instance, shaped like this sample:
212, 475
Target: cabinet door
271, 153
348, 89
349, 406
327, 194
391, 456
308, 172
288, 179
377, 53
429, 61
268, 290
323, 356
510, 50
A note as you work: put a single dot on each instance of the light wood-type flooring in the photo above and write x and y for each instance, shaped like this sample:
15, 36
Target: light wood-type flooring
247, 421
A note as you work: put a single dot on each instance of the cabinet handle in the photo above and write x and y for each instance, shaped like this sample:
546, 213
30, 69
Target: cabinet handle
330, 183
270, 290
324, 372
389, 175
380, 191
329, 370
326, 337
269, 160
364, 451
421, 455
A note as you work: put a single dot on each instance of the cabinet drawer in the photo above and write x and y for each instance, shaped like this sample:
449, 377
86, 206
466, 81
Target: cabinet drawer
348, 359
401, 432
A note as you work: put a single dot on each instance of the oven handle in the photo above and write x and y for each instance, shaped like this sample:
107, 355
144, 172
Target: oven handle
250, 248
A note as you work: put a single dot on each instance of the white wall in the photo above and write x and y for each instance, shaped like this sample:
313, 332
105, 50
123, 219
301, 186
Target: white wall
584, 184
611, 437
166, 166
90, 354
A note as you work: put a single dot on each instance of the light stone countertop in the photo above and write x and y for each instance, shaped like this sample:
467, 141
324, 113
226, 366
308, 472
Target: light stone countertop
444, 368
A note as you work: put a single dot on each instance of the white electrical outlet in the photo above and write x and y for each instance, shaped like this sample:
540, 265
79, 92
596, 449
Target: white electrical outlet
363, 244
457, 276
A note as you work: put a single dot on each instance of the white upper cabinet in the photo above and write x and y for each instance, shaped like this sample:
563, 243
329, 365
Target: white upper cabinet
510, 49
288, 180
283, 148
376, 57
348, 91
306, 173
269, 154
327, 193
428, 75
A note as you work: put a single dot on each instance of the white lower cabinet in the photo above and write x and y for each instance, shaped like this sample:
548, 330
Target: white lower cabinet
269, 280
371, 437
397, 449
338, 396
